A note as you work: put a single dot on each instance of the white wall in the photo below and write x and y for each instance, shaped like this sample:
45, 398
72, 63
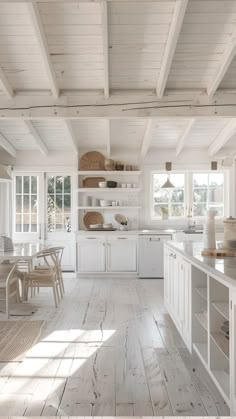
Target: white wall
156, 158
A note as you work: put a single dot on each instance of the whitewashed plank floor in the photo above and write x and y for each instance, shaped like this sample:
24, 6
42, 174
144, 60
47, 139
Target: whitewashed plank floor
109, 349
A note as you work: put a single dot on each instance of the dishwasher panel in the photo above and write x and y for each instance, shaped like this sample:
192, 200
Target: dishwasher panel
151, 256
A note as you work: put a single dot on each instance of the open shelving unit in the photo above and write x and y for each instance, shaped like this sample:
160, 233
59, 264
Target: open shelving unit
210, 325
219, 334
131, 195
200, 323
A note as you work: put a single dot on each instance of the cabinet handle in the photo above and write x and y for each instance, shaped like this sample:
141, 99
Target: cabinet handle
91, 238
122, 238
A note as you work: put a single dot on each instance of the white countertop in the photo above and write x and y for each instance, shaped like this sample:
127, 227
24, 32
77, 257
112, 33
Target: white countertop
130, 232
224, 268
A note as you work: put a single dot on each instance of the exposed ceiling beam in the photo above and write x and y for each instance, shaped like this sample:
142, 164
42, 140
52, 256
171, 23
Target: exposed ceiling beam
37, 138
105, 47
147, 138
40, 34
175, 28
223, 137
4, 143
108, 137
224, 64
71, 136
123, 105
5, 84
184, 136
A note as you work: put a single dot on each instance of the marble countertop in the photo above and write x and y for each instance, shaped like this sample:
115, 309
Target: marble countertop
224, 268
130, 232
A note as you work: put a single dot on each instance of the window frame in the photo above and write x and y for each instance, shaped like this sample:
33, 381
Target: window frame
188, 194
22, 194
152, 173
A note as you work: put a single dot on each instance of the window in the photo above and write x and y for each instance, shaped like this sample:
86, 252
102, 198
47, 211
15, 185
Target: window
170, 201
193, 194
59, 203
208, 192
26, 205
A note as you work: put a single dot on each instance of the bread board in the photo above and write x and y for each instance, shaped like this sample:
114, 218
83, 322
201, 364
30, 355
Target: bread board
219, 253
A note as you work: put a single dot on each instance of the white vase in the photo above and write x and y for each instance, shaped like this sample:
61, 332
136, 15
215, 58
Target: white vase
209, 235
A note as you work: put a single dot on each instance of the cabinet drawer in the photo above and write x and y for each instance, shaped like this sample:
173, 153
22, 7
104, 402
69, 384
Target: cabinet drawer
92, 239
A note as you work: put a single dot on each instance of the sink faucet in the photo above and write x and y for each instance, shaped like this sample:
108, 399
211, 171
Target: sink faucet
192, 226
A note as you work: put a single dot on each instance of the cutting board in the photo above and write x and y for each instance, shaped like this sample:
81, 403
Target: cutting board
220, 253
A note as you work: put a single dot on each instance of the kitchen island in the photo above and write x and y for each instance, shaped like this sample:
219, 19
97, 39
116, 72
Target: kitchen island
200, 296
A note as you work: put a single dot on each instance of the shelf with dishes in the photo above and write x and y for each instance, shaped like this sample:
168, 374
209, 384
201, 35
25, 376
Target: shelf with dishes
111, 207
109, 172
110, 190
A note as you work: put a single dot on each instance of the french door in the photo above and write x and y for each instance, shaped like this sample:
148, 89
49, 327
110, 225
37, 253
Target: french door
43, 212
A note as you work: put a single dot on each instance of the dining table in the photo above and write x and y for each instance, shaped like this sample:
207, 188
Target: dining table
22, 251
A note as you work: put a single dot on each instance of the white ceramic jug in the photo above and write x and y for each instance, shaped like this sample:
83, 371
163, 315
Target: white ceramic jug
209, 235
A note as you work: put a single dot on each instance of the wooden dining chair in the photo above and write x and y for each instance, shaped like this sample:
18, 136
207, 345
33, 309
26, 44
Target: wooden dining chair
41, 278
57, 253
9, 284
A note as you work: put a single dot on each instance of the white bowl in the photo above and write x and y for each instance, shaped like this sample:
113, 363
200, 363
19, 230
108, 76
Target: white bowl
105, 203
102, 184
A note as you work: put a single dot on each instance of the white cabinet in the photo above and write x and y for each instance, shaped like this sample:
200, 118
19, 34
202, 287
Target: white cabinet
108, 253
69, 253
122, 254
92, 254
177, 286
232, 353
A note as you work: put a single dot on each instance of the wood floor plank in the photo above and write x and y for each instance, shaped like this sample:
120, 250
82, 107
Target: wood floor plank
109, 349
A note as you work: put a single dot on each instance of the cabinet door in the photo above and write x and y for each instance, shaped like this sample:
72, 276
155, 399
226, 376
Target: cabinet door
186, 302
122, 254
91, 256
69, 253
166, 276
232, 353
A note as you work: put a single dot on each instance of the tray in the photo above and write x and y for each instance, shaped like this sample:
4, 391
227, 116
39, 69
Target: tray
92, 160
92, 182
92, 217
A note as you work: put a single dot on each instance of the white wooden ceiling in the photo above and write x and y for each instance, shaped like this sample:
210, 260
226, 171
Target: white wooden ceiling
138, 135
117, 45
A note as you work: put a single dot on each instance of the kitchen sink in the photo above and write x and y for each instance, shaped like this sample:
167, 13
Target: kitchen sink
193, 231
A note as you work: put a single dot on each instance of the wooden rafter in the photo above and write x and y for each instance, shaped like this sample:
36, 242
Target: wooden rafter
6, 85
105, 47
225, 62
71, 136
223, 137
147, 138
175, 28
6, 145
184, 136
39, 32
37, 138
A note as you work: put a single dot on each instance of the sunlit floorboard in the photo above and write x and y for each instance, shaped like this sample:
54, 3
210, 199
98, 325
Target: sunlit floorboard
109, 349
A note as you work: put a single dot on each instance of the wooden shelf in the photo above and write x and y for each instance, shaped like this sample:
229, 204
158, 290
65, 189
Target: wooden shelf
201, 350
202, 292
108, 208
109, 172
222, 378
221, 342
222, 308
126, 190
202, 319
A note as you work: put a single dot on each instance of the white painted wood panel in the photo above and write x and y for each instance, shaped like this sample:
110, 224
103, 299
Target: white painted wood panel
122, 254
91, 256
